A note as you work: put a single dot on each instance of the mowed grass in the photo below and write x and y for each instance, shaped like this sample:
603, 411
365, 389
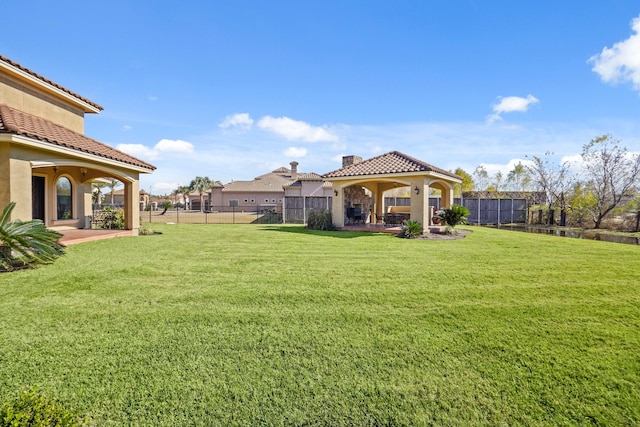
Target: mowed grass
277, 325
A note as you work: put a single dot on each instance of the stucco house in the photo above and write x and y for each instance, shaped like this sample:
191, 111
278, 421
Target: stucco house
47, 164
265, 191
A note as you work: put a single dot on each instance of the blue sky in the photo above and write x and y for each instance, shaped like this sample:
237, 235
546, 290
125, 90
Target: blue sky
232, 90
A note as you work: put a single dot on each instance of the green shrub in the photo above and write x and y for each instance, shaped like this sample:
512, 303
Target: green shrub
26, 243
33, 409
452, 216
411, 229
113, 219
320, 220
145, 230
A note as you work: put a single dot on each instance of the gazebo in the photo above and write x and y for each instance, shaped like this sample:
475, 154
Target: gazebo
385, 172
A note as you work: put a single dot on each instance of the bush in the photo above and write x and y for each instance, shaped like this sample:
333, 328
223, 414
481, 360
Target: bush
320, 220
113, 219
26, 243
145, 230
33, 409
452, 216
411, 230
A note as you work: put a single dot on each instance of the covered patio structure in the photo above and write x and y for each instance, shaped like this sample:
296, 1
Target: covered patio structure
386, 172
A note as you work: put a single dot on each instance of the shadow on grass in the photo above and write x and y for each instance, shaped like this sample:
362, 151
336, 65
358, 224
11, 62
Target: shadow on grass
322, 233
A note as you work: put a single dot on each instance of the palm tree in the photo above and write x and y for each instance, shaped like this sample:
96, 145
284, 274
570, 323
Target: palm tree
201, 185
112, 186
24, 243
185, 190
97, 192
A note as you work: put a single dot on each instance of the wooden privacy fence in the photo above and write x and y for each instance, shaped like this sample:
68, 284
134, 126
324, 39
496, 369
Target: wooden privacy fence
297, 208
482, 210
495, 211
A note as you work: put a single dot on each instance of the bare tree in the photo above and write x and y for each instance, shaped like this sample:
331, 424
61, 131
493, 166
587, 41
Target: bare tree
481, 178
613, 174
555, 180
519, 177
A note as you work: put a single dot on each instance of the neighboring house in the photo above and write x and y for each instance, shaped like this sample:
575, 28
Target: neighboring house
47, 164
115, 198
264, 192
308, 192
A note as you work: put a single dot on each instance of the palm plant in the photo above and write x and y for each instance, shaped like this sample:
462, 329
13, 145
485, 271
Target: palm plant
411, 229
452, 216
24, 243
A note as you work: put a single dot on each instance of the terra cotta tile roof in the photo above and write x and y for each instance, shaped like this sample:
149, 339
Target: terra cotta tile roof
44, 79
20, 123
393, 162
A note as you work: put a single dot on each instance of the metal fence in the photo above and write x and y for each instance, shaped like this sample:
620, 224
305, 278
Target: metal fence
296, 211
216, 215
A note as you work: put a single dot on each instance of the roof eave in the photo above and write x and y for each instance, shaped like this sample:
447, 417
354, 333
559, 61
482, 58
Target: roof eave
49, 88
47, 146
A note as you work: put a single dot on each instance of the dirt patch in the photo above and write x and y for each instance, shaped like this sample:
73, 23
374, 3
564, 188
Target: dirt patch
442, 235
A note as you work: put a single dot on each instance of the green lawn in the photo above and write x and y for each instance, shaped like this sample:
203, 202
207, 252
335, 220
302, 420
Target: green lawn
277, 325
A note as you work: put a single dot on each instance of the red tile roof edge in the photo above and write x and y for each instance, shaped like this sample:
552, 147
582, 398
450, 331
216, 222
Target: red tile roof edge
50, 82
417, 166
59, 135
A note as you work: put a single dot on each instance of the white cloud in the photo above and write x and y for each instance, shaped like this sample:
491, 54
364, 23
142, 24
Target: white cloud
140, 151
504, 168
153, 98
295, 152
295, 130
510, 104
127, 127
174, 146
164, 187
620, 63
239, 120
163, 146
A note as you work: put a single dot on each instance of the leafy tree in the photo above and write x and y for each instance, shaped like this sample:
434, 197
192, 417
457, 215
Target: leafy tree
201, 185
24, 243
613, 174
467, 182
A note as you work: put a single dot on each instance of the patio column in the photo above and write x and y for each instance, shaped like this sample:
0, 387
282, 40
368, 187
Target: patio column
379, 206
337, 210
420, 202
132, 206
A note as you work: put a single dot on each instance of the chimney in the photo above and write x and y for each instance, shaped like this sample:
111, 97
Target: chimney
294, 170
350, 160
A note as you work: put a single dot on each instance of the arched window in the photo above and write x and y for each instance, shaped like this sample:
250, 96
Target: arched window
63, 198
